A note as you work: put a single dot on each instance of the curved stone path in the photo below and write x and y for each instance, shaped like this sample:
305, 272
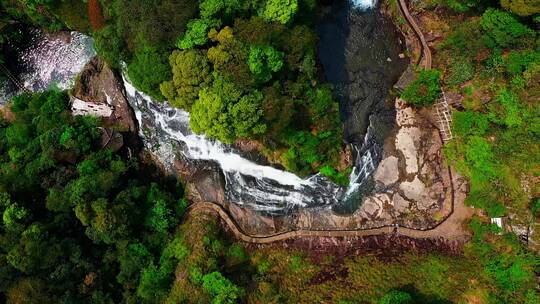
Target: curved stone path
450, 229
426, 52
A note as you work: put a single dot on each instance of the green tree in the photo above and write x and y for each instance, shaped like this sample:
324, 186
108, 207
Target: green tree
226, 8
110, 46
13, 216
247, 114
282, 11
222, 112
197, 33
501, 29
160, 217
132, 259
222, 290
191, 73
148, 69
209, 116
263, 61
424, 90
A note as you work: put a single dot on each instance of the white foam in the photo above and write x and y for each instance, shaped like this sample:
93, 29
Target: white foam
200, 147
364, 4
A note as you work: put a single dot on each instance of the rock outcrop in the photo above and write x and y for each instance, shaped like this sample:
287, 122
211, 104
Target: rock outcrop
99, 86
5, 113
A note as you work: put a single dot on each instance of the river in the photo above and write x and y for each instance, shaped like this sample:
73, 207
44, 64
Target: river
359, 51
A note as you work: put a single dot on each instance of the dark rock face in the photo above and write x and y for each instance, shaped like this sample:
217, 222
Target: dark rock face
204, 181
97, 83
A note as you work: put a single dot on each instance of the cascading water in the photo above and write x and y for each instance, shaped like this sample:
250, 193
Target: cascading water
166, 132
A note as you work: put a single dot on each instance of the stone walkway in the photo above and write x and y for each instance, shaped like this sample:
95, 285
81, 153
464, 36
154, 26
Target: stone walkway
426, 52
452, 228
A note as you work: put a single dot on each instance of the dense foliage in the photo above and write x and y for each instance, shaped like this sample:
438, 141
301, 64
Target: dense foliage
141, 33
49, 14
245, 69
495, 269
497, 135
243, 73
79, 223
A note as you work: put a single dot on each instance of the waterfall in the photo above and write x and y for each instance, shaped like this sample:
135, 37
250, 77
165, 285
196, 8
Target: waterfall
165, 131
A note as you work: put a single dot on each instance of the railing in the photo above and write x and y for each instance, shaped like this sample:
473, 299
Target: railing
444, 118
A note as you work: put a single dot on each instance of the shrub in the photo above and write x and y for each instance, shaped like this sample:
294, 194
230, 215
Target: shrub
501, 29
425, 90
222, 290
461, 70
396, 297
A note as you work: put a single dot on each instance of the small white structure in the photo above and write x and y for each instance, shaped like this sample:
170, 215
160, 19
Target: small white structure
497, 221
81, 107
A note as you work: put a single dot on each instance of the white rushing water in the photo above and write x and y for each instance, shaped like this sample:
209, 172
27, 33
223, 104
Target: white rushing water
364, 4
261, 187
166, 132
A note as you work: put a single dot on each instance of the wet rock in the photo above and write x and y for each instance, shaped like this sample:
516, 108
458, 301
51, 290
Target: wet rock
97, 84
373, 206
454, 99
436, 191
387, 173
405, 115
345, 158
81, 107
204, 180
405, 79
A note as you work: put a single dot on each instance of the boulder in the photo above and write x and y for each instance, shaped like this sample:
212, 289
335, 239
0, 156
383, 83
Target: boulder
406, 140
102, 88
387, 173
204, 180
